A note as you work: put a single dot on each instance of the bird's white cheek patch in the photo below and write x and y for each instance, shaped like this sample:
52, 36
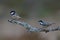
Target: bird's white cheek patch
41, 23
12, 12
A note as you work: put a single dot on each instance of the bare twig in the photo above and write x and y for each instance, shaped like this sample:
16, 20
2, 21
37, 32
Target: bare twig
31, 28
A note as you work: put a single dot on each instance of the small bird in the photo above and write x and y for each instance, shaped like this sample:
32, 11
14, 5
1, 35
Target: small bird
14, 15
45, 24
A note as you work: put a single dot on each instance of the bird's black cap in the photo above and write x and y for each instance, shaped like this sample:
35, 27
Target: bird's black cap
12, 11
40, 21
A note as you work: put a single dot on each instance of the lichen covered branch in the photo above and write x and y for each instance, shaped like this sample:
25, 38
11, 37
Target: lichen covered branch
31, 28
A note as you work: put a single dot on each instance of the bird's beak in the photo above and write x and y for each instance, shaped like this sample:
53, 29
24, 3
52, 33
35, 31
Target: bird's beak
38, 21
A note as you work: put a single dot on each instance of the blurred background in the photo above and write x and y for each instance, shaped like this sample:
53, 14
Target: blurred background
31, 11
